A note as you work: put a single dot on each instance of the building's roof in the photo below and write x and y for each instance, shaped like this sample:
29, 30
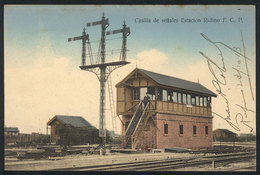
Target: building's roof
75, 121
225, 131
177, 82
11, 129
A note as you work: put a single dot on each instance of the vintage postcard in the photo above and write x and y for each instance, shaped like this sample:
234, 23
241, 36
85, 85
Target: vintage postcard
130, 88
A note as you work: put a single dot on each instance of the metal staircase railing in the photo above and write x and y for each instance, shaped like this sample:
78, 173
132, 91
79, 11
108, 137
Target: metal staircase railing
141, 125
133, 122
137, 123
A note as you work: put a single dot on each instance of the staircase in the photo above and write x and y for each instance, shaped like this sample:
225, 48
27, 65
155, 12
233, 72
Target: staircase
137, 125
141, 125
133, 122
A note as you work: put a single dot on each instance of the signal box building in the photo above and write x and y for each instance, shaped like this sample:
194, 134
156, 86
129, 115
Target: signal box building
160, 111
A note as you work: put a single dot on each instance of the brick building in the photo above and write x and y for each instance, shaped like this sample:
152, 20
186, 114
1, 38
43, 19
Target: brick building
160, 111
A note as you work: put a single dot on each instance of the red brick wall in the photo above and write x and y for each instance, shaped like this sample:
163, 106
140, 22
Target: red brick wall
154, 137
148, 136
187, 139
147, 139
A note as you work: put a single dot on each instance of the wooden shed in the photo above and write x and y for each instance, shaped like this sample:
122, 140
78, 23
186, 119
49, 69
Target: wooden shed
224, 135
177, 113
72, 130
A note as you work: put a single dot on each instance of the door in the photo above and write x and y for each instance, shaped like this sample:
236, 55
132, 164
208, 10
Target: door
143, 92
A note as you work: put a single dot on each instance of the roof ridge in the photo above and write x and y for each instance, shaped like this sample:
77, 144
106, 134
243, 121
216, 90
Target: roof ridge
172, 77
77, 121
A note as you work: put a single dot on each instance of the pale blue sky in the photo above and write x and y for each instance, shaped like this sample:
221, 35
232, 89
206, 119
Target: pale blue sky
42, 78
24, 25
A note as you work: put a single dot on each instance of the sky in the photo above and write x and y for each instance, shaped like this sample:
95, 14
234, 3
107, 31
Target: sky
212, 45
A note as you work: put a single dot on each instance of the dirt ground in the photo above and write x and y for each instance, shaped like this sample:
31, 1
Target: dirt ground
79, 160
248, 166
86, 160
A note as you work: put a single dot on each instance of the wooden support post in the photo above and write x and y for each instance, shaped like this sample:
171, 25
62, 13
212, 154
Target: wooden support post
101, 151
213, 164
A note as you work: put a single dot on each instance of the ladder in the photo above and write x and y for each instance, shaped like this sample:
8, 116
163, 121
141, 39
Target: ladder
112, 105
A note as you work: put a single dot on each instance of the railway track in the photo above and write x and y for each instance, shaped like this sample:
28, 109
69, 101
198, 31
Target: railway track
168, 164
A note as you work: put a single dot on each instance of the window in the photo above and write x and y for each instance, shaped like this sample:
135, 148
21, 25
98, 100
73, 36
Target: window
205, 101
194, 129
165, 128
206, 130
201, 101
169, 96
184, 98
209, 102
143, 91
159, 93
136, 94
193, 102
197, 100
188, 99
181, 129
174, 97
151, 92
179, 97
164, 95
